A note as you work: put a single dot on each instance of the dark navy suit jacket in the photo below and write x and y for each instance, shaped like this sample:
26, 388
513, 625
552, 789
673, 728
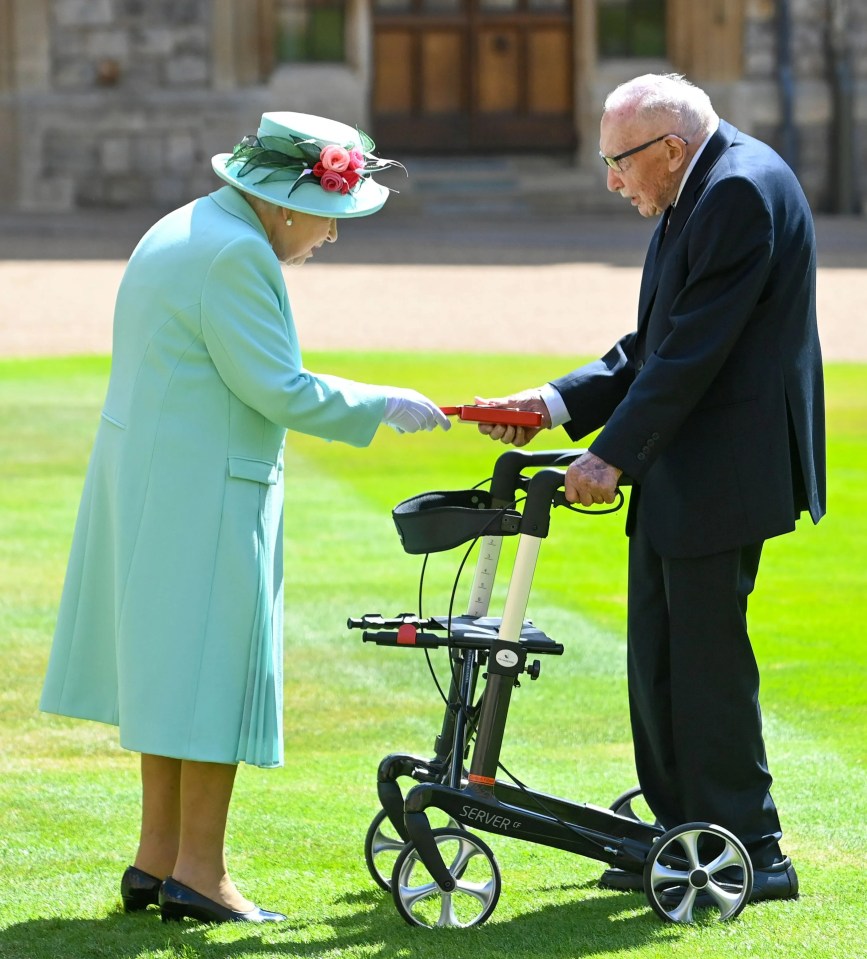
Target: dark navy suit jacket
714, 406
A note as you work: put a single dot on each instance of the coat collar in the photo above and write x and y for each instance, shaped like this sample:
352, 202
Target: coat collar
677, 217
719, 142
231, 200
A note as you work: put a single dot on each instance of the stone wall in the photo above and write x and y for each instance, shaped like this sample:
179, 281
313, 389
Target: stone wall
123, 102
120, 154
131, 45
129, 108
826, 37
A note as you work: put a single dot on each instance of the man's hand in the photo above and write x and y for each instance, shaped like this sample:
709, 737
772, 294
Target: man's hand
530, 400
591, 480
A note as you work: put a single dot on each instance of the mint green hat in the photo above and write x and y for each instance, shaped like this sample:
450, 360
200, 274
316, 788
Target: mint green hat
307, 163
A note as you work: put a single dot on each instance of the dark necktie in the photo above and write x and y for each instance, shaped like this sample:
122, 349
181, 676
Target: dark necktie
666, 217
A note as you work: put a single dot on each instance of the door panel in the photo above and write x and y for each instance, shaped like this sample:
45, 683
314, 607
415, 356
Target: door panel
498, 71
392, 88
548, 86
442, 85
473, 75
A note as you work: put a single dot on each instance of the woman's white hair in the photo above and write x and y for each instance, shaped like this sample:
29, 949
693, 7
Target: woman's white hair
669, 97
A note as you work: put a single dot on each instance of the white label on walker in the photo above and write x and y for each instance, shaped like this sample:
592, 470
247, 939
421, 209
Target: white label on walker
506, 658
493, 819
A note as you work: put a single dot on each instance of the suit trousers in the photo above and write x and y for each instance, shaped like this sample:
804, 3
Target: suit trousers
694, 693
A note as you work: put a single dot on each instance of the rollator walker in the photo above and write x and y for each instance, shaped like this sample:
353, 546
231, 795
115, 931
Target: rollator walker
448, 876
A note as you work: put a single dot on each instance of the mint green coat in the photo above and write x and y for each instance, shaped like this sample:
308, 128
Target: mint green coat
171, 619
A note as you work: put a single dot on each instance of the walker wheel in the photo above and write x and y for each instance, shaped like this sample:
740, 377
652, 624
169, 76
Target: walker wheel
697, 866
421, 902
632, 805
382, 845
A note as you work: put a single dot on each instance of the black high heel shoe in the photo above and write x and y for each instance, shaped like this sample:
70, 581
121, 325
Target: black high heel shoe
178, 901
139, 890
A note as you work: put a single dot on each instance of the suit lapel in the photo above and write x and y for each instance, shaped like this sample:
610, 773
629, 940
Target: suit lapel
650, 275
693, 188
676, 217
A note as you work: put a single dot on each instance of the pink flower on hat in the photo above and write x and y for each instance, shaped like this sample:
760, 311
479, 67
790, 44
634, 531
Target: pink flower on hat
332, 179
335, 168
333, 182
335, 158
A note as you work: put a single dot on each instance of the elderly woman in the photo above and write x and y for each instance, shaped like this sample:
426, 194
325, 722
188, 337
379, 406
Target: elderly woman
170, 624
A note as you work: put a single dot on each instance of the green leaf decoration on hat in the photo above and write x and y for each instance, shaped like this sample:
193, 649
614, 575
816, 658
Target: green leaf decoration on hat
282, 145
294, 158
306, 177
256, 158
367, 145
282, 175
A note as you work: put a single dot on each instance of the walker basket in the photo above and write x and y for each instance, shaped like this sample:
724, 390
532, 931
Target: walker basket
433, 522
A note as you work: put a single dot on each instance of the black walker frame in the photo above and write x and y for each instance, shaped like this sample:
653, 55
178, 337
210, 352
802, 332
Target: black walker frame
693, 865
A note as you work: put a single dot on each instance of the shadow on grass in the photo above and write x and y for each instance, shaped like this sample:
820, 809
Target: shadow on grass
364, 924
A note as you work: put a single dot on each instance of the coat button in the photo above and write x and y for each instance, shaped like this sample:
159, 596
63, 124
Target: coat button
641, 457
655, 436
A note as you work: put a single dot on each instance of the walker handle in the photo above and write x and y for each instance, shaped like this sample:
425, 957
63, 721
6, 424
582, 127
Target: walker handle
545, 490
507, 479
508, 470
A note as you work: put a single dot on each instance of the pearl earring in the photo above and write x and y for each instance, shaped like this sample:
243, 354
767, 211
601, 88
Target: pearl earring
288, 221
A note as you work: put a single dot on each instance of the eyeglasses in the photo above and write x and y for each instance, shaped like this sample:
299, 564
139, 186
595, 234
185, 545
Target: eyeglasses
614, 162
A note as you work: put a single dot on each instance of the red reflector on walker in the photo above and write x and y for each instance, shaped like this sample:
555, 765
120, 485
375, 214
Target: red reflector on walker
484, 780
406, 634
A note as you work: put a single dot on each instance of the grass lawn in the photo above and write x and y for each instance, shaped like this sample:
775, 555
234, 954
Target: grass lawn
69, 794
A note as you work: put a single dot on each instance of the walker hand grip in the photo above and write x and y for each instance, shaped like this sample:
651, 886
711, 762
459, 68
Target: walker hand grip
507, 478
378, 621
482, 641
541, 492
546, 490
559, 498
419, 639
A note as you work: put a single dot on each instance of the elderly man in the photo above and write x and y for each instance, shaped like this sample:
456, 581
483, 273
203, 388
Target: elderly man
714, 408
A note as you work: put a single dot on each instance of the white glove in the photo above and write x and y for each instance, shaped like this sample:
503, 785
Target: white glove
407, 411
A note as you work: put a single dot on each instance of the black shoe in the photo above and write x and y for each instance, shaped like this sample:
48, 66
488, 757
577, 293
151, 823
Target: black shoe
139, 889
779, 881
621, 880
178, 901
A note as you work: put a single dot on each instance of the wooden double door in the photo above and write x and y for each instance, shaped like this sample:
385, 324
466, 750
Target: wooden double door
474, 75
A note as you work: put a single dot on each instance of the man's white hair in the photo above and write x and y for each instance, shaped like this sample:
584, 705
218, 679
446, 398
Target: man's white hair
669, 97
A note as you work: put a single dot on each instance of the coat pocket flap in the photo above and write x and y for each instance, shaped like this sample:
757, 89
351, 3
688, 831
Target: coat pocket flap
113, 420
260, 471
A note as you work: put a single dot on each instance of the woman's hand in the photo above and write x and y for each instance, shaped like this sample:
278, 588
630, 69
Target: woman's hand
407, 411
529, 400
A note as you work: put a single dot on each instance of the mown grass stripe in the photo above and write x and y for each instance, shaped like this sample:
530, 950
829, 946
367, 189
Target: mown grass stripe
68, 794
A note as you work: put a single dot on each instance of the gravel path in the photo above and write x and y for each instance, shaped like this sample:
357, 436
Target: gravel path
519, 284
